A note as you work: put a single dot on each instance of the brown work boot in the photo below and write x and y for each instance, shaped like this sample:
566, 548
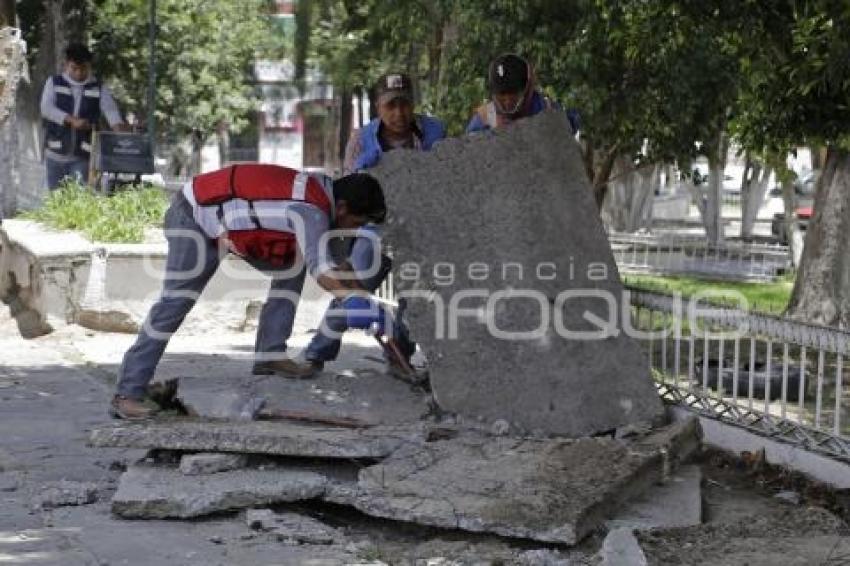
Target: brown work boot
286, 368
132, 409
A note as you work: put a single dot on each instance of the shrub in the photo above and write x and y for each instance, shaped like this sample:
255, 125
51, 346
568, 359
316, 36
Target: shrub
121, 217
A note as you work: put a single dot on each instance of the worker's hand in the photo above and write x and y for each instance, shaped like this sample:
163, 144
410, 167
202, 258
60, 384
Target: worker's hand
366, 314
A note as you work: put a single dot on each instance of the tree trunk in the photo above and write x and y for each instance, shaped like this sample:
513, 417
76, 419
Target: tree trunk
628, 203
601, 176
222, 135
817, 153
303, 26
449, 37
344, 121
822, 289
360, 117
790, 225
753, 197
197, 153
713, 202
7, 14
750, 170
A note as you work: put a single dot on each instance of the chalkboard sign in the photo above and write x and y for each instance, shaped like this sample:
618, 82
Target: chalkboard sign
118, 152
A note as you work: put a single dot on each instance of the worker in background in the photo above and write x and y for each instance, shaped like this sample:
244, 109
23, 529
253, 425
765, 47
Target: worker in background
72, 104
513, 96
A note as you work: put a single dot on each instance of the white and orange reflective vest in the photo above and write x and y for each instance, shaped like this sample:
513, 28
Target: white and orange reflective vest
251, 203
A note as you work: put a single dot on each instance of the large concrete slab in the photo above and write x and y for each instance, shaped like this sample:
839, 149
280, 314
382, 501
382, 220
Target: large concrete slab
260, 437
362, 393
147, 492
502, 228
548, 490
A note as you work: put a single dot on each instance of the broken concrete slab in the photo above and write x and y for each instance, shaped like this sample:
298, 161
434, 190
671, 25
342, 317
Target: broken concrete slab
147, 492
65, 493
796, 537
291, 527
547, 490
675, 503
522, 265
363, 394
261, 437
210, 463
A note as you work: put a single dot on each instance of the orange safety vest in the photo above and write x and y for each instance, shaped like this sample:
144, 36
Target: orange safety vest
253, 182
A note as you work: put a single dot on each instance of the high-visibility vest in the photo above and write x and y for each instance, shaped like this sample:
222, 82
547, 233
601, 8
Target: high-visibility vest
61, 138
254, 182
429, 130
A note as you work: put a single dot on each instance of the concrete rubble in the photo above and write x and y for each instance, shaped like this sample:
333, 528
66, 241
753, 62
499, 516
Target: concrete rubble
156, 493
524, 249
360, 396
65, 493
209, 463
549, 490
257, 437
292, 528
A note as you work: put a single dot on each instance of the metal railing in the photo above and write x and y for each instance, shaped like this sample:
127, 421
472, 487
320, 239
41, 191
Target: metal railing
666, 254
772, 375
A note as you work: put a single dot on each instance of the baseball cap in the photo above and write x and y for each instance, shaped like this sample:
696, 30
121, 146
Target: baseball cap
393, 85
508, 73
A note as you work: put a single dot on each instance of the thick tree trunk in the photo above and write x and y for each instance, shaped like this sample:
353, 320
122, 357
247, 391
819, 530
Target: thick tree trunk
628, 203
822, 289
753, 190
791, 227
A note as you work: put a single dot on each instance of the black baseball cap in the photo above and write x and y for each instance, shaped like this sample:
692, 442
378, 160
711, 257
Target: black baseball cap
393, 85
508, 73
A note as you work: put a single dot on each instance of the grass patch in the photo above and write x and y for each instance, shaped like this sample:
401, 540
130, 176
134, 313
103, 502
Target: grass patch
770, 298
121, 217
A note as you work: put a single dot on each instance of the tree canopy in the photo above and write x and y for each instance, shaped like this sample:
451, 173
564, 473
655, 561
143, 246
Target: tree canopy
204, 55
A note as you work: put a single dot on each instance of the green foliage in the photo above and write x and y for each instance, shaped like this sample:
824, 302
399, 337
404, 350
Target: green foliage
797, 77
205, 52
118, 218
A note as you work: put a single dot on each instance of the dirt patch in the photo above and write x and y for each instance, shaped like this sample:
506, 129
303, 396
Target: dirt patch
748, 483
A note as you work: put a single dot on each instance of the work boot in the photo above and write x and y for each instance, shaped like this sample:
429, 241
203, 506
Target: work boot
132, 409
286, 368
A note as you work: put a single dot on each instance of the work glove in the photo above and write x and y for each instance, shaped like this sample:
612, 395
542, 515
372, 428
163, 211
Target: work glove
366, 313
